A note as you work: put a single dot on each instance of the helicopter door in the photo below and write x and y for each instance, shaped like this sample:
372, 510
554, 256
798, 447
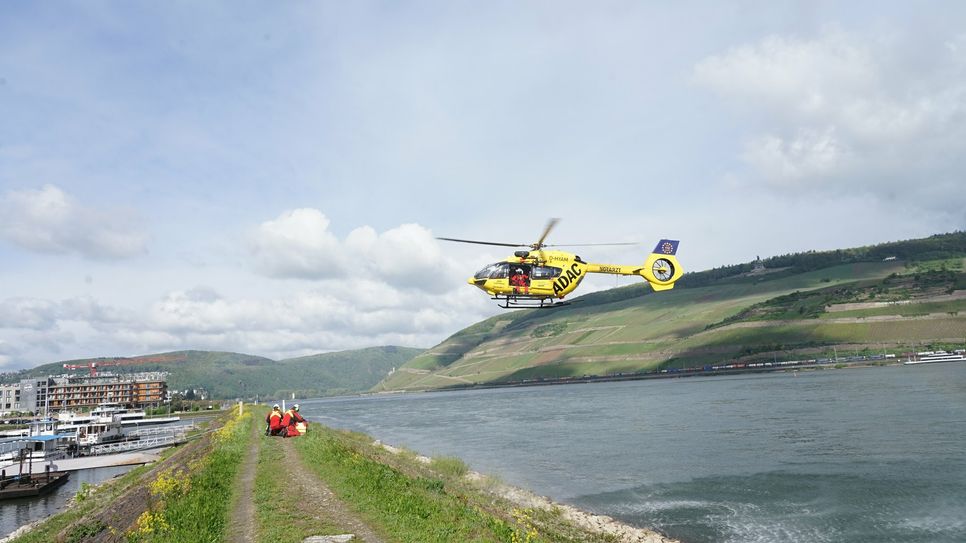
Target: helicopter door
520, 278
497, 277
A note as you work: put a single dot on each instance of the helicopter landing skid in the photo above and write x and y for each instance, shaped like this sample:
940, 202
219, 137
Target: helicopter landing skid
527, 302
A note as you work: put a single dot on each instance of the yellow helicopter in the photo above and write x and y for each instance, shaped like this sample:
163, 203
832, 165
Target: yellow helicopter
538, 278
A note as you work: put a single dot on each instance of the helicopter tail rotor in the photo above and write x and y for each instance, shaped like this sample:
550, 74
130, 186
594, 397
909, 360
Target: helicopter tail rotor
661, 269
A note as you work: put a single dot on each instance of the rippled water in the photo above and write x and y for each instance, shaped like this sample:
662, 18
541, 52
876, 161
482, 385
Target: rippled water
16, 513
858, 455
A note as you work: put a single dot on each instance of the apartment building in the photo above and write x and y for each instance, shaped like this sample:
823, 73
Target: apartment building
82, 392
10, 398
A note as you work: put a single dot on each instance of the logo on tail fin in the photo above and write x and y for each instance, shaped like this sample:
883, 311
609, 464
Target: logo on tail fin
667, 247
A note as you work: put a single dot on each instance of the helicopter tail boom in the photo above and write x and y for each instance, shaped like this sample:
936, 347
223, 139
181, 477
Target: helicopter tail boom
661, 269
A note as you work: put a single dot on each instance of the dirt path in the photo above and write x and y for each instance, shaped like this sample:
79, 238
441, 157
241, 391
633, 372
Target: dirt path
320, 502
315, 499
242, 526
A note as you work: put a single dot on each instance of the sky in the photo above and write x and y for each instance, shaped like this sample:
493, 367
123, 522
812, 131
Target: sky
270, 177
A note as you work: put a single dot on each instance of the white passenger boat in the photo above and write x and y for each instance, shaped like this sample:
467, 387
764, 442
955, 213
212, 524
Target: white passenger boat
70, 418
42, 427
930, 357
105, 413
99, 432
32, 450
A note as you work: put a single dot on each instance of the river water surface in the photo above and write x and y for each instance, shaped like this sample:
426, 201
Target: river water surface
16, 513
855, 455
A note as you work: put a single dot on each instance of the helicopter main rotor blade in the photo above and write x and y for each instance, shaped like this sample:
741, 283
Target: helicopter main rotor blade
485, 242
550, 224
591, 244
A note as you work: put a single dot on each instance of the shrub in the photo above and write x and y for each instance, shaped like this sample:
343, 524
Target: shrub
449, 466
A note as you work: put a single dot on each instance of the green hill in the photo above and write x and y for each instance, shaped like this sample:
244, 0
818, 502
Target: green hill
231, 375
892, 297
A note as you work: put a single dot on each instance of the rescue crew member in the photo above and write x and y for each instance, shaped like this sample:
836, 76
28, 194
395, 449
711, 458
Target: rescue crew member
519, 281
274, 421
291, 418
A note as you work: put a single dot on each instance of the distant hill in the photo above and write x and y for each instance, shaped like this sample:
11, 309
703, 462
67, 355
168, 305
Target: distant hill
893, 297
231, 375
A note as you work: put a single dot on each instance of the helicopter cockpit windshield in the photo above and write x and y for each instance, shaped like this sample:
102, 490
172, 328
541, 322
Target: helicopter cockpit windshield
500, 270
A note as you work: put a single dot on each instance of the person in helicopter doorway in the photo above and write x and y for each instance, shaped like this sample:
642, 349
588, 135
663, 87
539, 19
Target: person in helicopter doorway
274, 421
290, 422
520, 281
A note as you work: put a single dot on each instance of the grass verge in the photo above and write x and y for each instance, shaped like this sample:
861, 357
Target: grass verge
416, 502
189, 502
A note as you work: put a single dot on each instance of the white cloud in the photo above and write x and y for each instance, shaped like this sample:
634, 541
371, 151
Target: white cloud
48, 220
407, 256
792, 76
393, 288
956, 46
303, 322
6, 352
846, 113
41, 315
337, 311
27, 313
298, 244
809, 155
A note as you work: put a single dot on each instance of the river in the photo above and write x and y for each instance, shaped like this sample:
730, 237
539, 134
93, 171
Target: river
857, 455
16, 513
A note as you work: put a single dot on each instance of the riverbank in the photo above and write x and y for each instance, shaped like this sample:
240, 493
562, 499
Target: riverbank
329, 482
525, 499
874, 361
412, 496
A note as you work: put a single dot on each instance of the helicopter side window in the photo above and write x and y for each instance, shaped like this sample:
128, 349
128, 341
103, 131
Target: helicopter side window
545, 272
500, 271
493, 271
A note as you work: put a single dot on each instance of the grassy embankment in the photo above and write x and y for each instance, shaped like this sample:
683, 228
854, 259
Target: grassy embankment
189, 501
401, 498
397, 495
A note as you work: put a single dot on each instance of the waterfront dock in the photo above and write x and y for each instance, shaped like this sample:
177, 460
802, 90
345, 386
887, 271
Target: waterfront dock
29, 485
90, 462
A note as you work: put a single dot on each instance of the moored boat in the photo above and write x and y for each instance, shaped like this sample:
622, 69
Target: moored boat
930, 357
27, 485
99, 432
33, 449
105, 413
